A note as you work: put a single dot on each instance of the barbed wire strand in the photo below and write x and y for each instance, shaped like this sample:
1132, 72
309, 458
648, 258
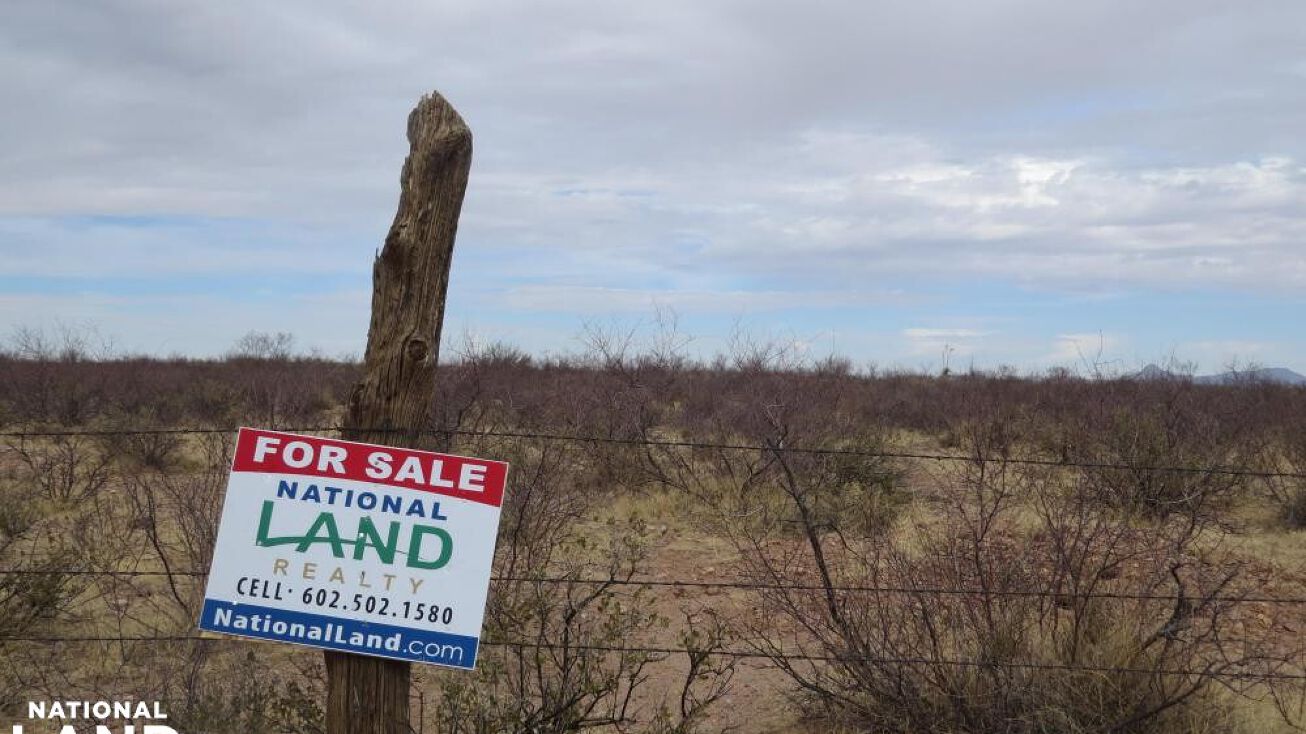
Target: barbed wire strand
815, 450
752, 585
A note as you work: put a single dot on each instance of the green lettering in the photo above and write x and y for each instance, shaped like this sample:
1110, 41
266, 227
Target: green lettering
415, 547
332, 538
368, 535
265, 525
325, 530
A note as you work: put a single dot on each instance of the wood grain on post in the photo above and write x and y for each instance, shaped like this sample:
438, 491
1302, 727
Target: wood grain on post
392, 403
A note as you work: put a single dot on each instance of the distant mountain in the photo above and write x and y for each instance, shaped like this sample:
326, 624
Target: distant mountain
1278, 375
1274, 375
1152, 372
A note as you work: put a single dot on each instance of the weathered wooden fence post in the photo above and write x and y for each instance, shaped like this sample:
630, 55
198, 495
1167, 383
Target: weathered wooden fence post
391, 404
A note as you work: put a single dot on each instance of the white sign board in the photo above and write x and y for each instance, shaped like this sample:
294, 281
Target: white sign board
355, 547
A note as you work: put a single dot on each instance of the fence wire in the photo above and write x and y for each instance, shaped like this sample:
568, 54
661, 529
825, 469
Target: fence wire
756, 586
1209, 672
720, 446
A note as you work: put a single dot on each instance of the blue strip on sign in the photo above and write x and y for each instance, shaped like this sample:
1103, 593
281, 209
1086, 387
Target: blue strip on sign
333, 633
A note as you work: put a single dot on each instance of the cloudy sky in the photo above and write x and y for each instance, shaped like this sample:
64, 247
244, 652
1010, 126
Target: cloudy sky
1009, 181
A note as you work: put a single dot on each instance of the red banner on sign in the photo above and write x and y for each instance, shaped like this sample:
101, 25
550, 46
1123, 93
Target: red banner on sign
274, 452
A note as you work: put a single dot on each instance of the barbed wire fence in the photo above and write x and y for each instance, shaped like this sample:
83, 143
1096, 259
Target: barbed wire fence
1212, 670
799, 449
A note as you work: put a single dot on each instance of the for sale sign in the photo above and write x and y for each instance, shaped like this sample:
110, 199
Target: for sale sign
348, 546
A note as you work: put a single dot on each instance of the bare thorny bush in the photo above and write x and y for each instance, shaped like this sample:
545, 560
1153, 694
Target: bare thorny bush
178, 513
563, 632
175, 513
139, 517
1173, 463
1011, 602
563, 629
38, 599
1289, 492
63, 469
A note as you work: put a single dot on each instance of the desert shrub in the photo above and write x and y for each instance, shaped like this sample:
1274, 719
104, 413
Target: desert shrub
864, 493
44, 584
706, 680
37, 597
559, 624
237, 693
553, 681
566, 658
1288, 493
475, 392
141, 442
178, 514
858, 491
955, 642
212, 401
1166, 462
62, 468
38, 591
989, 656
618, 385
1293, 505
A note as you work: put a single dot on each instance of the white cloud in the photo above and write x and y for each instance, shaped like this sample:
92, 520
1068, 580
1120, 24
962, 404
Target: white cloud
716, 156
764, 134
